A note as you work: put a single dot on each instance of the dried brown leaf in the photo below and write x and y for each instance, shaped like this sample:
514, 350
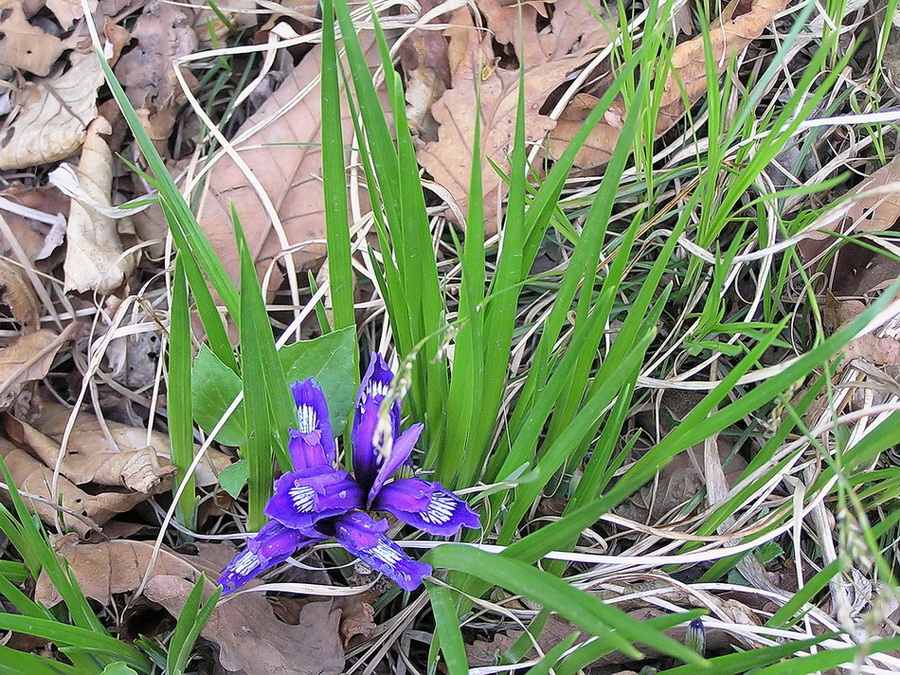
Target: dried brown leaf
88, 438
857, 270
423, 57
164, 31
138, 470
881, 347
250, 638
28, 358
285, 156
33, 478
37, 238
547, 58
17, 293
25, 46
67, 11
50, 118
94, 253
740, 23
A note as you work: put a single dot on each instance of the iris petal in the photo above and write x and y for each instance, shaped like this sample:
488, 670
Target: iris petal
400, 452
427, 506
303, 497
364, 537
313, 423
374, 387
272, 545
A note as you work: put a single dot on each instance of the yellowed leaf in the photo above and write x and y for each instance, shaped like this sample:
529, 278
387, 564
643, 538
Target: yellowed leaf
284, 154
88, 438
94, 252
50, 117
25, 46
91, 511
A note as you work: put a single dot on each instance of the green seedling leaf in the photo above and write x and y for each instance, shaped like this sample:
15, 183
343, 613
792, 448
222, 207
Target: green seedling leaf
118, 669
331, 359
233, 478
213, 387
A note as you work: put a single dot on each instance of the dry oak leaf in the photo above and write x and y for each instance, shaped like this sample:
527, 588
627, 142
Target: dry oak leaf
547, 57
857, 270
95, 258
252, 640
880, 347
17, 293
88, 438
139, 470
249, 636
281, 144
25, 46
27, 359
31, 477
164, 32
740, 22
51, 116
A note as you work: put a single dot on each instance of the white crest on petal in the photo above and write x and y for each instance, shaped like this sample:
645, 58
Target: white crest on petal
385, 553
307, 420
303, 497
245, 563
440, 509
372, 389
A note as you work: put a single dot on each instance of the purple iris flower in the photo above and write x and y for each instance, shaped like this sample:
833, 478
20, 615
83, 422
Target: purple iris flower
317, 501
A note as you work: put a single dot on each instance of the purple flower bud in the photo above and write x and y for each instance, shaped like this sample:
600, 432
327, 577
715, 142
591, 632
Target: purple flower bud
374, 387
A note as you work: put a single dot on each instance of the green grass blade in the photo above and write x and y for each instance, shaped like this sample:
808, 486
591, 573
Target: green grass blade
334, 178
580, 608
181, 421
447, 623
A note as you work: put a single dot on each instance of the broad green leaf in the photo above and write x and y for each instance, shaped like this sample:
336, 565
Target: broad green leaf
233, 478
213, 387
331, 359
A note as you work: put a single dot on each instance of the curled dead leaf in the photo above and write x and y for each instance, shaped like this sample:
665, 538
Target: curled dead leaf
17, 293
139, 470
82, 512
50, 118
95, 258
28, 358
135, 444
